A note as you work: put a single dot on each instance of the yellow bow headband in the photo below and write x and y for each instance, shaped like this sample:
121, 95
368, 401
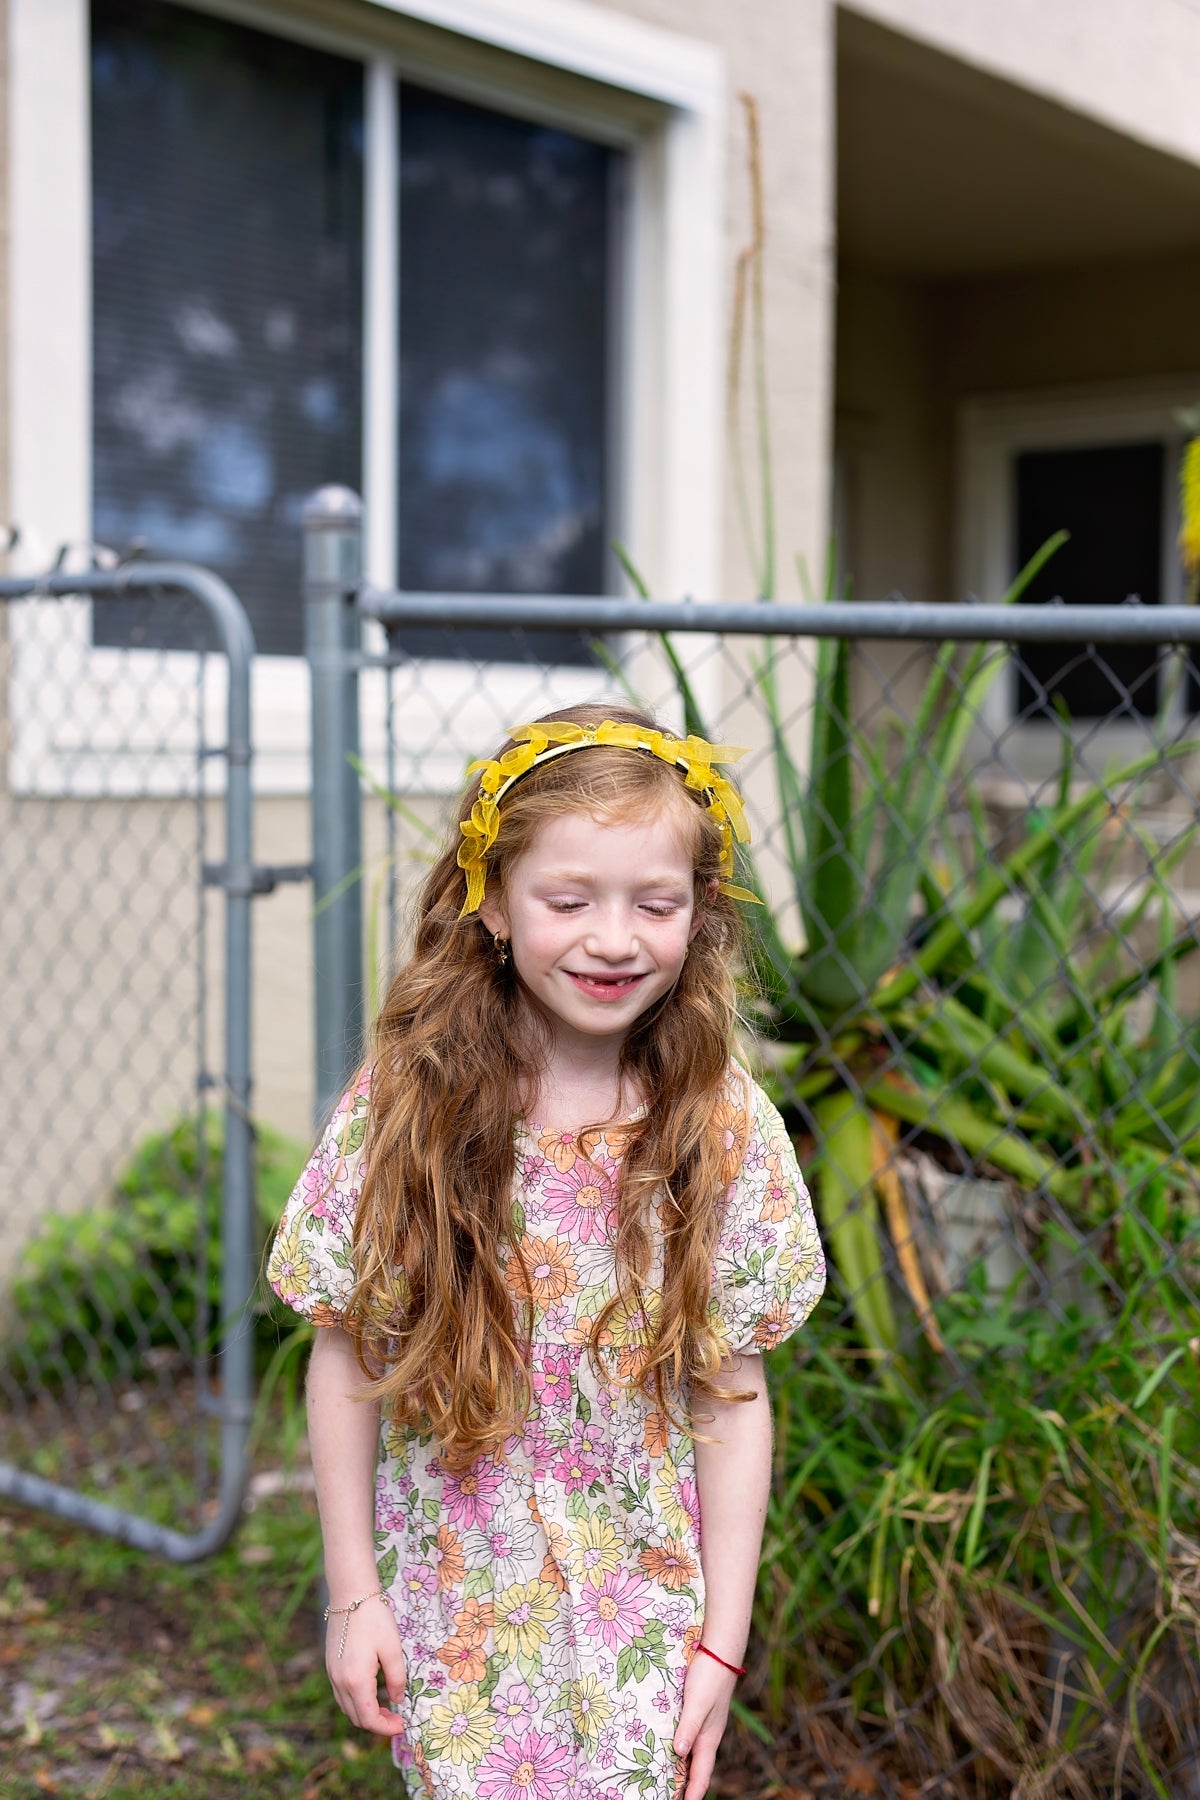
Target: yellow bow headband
540, 743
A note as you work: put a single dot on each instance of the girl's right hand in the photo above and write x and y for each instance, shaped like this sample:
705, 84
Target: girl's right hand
372, 1647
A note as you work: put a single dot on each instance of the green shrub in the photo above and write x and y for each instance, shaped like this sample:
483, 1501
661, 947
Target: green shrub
101, 1288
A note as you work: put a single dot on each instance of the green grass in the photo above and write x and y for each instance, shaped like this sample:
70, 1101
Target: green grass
121, 1676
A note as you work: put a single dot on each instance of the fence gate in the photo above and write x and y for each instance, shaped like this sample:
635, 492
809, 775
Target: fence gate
127, 1243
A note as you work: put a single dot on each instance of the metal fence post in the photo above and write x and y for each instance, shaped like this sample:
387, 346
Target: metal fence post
332, 521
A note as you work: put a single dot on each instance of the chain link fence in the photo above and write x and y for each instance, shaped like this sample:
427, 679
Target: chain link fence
977, 1001
127, 1246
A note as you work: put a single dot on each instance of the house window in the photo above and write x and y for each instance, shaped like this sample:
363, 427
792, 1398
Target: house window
168, 384
1103, 464
504, 278
227, 192
227, 204
1110, 498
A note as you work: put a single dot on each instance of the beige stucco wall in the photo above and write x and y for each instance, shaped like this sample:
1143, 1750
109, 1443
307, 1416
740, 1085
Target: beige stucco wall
1130, 64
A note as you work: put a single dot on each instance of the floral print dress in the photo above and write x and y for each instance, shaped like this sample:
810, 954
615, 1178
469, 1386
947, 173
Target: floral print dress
550, 1601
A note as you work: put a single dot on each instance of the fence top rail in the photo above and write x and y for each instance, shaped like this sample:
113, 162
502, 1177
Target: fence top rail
186, 579
967, 621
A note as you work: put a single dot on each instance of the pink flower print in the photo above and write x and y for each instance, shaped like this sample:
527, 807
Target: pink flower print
533, 1168
689, 1498
580, 1199
663, 1700
415, 1579
756, 1154
559, 1318
321, 1197
469, 1499
575, 1467
515, 1704
613, 1611
535, 1444
551, 1379
607, 1751
529, 1767
388, 1515
587, 1440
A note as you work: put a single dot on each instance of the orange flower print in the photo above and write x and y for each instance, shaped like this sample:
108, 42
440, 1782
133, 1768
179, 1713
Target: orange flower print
778, 1199
448, 1557
475, 1619
580, 1334
324, 1314
465, 1657
549, 1271
731, 1127
691, 1639
772, 1328
560, 1148
654, 1437
671, 1566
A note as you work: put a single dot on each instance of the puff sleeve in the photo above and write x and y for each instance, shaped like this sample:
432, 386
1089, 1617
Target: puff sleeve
769, 1269
310, 1266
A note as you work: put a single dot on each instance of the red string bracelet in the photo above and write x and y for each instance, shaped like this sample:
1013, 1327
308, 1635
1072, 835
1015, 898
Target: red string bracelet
733, 1668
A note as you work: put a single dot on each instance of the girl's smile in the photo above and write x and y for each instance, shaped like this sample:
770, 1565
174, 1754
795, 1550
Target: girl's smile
599, 916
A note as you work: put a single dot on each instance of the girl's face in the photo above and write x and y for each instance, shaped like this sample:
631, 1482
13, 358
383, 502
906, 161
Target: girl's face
599, 917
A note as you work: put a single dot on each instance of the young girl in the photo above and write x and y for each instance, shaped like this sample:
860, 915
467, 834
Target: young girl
548, 1233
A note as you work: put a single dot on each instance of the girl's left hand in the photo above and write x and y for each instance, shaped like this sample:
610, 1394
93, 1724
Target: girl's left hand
707, 1691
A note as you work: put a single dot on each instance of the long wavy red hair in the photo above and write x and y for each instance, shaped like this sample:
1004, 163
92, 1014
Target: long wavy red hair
454, 1067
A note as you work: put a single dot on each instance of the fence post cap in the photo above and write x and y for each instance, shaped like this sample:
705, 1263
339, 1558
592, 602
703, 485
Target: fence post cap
332, 507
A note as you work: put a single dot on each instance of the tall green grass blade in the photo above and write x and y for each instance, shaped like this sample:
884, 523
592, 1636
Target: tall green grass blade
970, 1550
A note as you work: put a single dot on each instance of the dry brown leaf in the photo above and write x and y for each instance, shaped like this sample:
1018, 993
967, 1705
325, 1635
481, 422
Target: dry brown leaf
203, 1713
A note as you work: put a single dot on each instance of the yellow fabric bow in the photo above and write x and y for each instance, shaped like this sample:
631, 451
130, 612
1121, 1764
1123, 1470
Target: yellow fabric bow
533, 744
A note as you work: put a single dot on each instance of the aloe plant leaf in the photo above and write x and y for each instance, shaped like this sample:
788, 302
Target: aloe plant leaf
952, 1118
832, 884
850, 1213
952, 1024
994, 886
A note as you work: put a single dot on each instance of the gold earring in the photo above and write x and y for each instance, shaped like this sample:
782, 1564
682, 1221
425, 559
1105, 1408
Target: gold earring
501, 945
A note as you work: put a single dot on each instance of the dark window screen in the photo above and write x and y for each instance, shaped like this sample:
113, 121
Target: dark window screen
227, 212
1111, 501
504, 254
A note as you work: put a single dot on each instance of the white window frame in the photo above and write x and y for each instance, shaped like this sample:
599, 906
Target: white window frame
663, 101
992, 432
